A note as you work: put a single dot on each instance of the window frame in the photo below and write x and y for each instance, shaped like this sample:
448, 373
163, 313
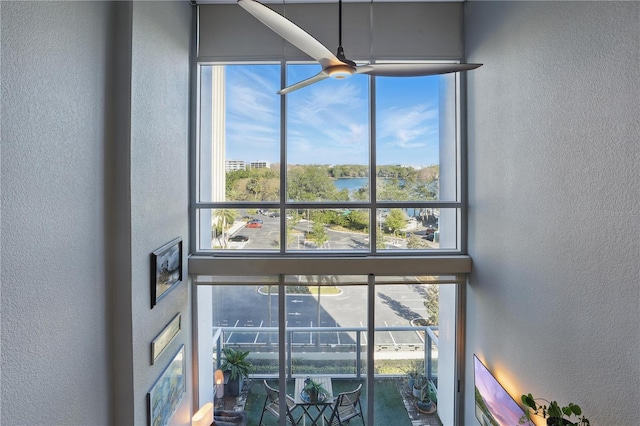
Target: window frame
372, 205
375, 263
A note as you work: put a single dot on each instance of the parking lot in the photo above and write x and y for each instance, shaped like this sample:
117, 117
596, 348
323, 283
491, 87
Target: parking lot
396, 305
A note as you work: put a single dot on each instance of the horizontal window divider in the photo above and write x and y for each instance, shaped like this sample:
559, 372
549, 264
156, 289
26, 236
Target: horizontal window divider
238, 205
330, 205
241, 329
236, 60
426, 204
338, 265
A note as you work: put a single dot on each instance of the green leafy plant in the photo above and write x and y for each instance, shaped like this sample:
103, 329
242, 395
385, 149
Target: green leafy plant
420, 382
235, 362
414, 369
314, 389
569, 415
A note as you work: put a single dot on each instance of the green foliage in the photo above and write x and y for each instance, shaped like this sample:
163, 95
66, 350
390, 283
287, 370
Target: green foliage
357, 220
432, 303
319, 234
224, 218
312, 183
395, 220
234, 361
349, 171
414, 242
570, 413
315, 183
380, 244
392, 190
311, 386
252, 185
414, 369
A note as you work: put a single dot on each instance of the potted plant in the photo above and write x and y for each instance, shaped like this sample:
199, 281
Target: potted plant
569, 415
419, 384
314, 390
413, 371
237, 368
423, 403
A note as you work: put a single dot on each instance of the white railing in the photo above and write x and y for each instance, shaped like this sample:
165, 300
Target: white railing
305, 343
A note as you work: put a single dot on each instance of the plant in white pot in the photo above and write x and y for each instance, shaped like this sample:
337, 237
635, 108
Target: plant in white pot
569, 415
419, 384
235, 365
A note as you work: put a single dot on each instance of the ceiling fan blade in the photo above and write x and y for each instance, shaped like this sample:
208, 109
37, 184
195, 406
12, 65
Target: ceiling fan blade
318, 77
291, 32
412, 70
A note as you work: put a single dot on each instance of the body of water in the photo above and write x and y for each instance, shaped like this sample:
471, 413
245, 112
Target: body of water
352, 184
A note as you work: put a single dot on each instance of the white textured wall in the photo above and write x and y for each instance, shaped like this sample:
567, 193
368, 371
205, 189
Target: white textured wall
94, 178
554, 202
55, 359
159, 182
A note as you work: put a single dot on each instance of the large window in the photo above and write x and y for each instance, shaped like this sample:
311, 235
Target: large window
292, 193
358, 166
336, 328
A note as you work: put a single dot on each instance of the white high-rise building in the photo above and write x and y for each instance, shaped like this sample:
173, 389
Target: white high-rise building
230, 165
259, 165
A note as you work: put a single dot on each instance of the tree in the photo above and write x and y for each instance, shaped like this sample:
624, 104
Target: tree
424, 192
319, 234
380, 243
415, 242
357, 219
432, 303
311, 183
391, 190
224, 217
395, 220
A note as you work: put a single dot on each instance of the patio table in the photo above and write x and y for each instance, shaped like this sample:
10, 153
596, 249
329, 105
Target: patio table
314, 410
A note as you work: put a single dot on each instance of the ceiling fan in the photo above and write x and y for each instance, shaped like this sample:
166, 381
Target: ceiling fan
338, 66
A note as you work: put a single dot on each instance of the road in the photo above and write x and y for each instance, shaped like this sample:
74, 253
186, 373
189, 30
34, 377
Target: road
268, 238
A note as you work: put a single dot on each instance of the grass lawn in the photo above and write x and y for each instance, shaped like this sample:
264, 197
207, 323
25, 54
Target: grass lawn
388, 410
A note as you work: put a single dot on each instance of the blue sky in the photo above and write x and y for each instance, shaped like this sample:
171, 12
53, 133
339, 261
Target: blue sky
328, 122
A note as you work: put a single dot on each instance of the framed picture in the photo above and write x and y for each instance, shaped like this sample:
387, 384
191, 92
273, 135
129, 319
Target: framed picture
166, 269
167, 392
162, 340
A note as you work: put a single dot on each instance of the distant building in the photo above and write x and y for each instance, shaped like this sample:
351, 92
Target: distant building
259, 165
230, 165
412, 166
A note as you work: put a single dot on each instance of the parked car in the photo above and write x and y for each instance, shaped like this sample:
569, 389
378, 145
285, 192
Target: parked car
239, 238
253, 224
429, 237
255, 219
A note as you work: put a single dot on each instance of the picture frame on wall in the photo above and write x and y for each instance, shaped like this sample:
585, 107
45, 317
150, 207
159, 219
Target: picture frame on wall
167, 392
166, 269
165, 337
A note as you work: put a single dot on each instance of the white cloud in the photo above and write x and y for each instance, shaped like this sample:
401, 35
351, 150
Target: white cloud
408, 127
330, 121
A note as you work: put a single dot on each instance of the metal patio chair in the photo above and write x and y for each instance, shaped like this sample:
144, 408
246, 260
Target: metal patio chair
346, 407
272, 404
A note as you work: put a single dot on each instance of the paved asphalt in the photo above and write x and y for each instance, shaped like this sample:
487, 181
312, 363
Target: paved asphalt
396, 305
244, 306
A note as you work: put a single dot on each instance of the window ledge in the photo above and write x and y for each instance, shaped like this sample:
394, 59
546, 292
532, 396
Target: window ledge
339, 265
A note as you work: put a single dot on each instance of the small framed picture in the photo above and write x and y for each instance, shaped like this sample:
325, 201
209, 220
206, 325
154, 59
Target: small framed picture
166, 269
162, 340
167, 392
